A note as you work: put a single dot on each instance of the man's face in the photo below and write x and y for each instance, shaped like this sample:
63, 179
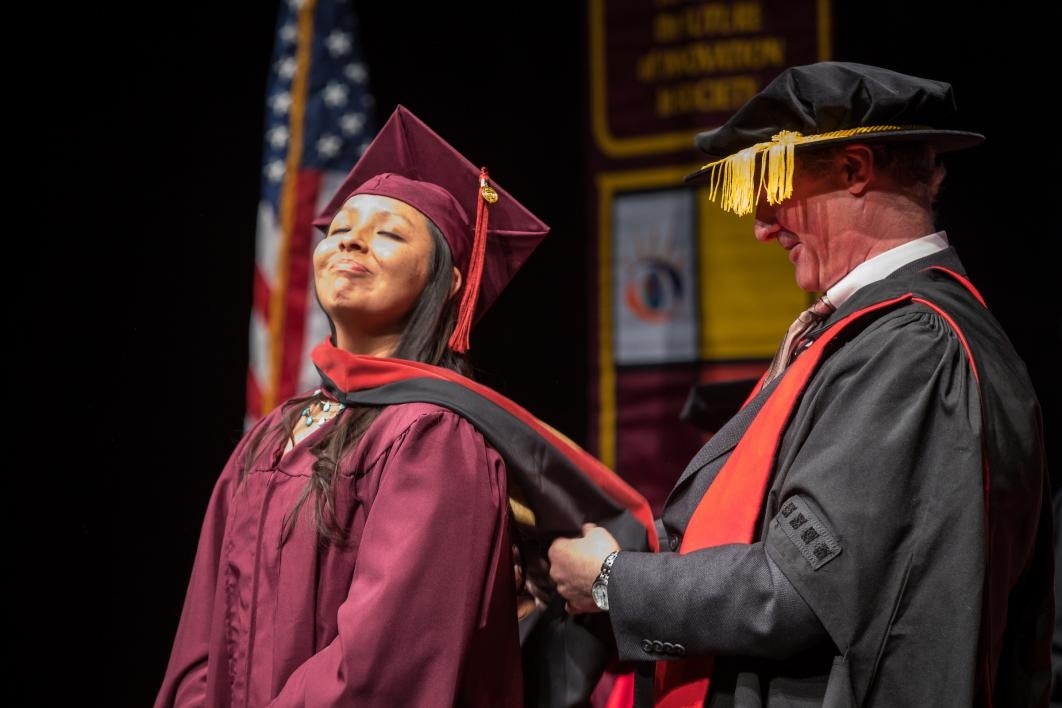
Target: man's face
813, 226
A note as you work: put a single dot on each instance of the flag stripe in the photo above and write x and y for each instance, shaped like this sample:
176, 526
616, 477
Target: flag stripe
299, 269
318, 121
288, 210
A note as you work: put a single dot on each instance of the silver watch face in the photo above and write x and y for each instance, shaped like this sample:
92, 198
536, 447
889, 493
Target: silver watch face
600, 593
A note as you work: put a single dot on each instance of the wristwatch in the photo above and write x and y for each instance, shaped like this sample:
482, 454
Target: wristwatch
600, 587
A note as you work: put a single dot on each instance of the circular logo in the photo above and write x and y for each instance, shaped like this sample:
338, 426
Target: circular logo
653, 290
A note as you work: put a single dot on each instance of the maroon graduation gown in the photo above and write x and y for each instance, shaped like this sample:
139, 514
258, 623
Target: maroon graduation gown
417, 610
419, 607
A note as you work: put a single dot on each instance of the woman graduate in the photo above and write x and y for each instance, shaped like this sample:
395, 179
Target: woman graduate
358, 548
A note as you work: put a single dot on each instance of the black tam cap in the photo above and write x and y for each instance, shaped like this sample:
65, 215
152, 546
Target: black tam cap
816, 104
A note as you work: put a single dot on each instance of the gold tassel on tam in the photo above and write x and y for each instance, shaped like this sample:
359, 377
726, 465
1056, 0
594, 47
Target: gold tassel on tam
733, 179
778, 163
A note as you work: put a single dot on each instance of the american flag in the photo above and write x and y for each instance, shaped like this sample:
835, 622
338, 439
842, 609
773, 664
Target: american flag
319, 119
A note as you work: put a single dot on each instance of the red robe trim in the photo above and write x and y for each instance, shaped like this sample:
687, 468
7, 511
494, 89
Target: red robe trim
359, 379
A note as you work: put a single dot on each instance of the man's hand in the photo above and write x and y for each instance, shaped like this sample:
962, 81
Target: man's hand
575, 563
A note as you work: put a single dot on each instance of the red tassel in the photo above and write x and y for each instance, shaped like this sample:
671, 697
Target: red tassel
466, 313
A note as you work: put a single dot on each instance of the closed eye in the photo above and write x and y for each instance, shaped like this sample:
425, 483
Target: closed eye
391, 235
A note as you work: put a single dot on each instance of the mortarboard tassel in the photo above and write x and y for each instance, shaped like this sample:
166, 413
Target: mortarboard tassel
466, 313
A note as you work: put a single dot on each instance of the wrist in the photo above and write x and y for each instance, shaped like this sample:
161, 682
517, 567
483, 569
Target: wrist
599, 590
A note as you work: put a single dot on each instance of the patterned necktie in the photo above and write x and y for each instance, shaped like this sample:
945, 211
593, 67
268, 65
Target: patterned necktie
807, 319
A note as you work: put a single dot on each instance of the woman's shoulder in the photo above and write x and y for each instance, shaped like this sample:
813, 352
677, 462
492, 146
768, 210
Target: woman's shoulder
401, 417
412, 428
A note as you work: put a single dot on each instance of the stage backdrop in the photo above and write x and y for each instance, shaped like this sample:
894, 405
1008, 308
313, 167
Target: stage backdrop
682, 294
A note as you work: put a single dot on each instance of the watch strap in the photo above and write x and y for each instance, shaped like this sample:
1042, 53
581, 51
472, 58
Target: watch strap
606, 567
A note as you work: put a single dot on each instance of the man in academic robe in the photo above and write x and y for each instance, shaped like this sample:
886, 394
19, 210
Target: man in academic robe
873, 528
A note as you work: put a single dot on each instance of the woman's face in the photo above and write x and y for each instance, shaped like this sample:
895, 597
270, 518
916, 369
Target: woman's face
372, 266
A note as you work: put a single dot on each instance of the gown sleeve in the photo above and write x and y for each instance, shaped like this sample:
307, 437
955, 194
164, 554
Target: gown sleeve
425, 562
184, 683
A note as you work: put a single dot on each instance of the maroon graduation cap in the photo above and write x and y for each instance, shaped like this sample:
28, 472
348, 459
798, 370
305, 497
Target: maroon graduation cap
490, 234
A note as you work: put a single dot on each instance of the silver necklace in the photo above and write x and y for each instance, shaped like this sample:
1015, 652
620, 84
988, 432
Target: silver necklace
326, 408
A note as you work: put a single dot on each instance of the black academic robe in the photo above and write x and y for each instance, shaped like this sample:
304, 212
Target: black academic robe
885, 454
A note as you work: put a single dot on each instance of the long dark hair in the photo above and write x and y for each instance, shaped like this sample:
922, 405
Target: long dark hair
424, 338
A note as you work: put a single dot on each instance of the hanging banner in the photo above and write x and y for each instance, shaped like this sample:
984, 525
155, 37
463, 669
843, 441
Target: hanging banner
662, 69
685, 296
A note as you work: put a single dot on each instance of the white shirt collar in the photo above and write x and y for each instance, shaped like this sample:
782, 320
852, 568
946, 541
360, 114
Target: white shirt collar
881, 265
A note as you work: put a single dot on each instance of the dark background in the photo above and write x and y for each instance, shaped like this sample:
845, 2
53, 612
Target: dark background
143, 213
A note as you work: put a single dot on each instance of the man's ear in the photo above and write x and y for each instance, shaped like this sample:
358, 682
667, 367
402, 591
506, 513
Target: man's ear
857, 163
455, 284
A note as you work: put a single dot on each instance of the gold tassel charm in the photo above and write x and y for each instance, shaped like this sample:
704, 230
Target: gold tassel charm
489, 194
